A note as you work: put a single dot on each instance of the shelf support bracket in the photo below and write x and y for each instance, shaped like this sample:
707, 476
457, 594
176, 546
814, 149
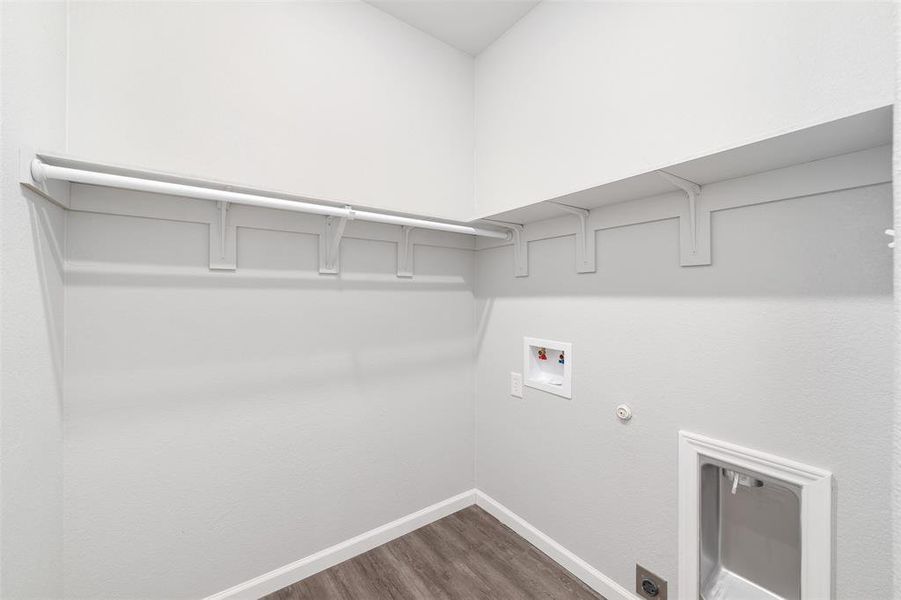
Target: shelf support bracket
585, 239
520, 248
405, 252
520, 251
695, 226
891, 234
223, 242
330, 242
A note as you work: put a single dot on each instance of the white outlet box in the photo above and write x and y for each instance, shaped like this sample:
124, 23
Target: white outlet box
548, 366
516, 384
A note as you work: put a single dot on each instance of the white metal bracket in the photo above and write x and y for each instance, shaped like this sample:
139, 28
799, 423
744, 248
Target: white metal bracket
891, 233
520, 251
585, 239
30, 177
330, 242
695, 243
405, 252
223, 241
520, 248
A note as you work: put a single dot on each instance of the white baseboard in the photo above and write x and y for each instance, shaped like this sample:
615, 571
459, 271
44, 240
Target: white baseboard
322, 560
592, 577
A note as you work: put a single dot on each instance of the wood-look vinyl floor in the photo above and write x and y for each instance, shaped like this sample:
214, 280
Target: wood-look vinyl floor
467, 555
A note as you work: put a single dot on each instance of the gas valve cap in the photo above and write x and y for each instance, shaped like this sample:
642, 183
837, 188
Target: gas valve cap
650, 588
649, 585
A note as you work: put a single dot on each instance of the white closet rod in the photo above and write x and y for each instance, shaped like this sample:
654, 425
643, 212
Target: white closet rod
42, 171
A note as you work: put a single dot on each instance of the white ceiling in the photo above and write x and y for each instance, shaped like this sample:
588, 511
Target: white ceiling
470, 25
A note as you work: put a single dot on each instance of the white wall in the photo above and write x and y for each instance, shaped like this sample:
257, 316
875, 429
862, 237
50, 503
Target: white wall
896, 432
334, 100
221, 425
32, 111
578, 94
783, 345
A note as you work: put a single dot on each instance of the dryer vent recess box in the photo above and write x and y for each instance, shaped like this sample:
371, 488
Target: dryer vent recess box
547, 366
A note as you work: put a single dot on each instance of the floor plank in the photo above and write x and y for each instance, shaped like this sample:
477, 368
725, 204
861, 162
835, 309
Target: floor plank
468, 555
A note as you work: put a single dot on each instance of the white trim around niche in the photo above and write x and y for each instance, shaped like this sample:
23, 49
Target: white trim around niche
564, 389
816, 510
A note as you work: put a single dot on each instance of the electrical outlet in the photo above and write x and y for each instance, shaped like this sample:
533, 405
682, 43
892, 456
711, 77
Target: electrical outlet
516, 384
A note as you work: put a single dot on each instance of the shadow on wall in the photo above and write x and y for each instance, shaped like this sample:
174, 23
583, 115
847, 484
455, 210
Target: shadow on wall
281, 379
826, 245
125, 251
48, 249
200, 278
151, 326
484, 306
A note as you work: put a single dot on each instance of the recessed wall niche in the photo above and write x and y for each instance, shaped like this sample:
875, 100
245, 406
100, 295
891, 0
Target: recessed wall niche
547, 366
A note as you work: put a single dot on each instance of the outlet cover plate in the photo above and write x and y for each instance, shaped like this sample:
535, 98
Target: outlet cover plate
516, 384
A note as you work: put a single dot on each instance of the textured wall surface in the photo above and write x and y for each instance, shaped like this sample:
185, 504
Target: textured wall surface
334, 100
578, 94
219, 426
32, 112
782, 345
